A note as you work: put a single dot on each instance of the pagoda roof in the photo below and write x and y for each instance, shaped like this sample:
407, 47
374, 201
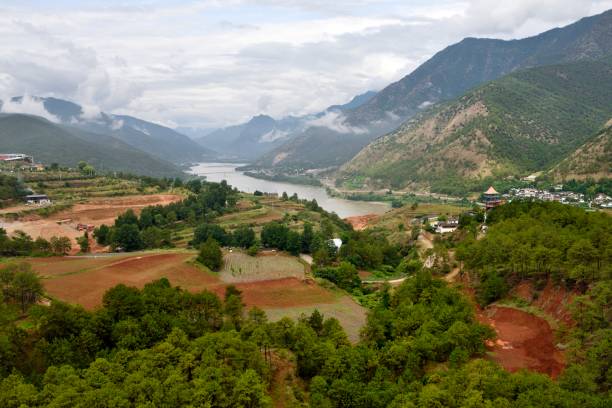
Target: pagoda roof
491, 191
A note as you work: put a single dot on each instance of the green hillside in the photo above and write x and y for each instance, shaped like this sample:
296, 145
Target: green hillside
51, 143
593, 160
524, 122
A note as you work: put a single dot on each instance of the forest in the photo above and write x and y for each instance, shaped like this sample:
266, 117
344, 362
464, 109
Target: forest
162, 346
421, 346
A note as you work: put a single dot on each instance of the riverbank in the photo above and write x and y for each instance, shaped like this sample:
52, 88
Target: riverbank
281, 178
216, 172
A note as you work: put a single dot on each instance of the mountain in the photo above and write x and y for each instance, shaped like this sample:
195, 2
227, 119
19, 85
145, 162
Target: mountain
55, 143
591, 160
524, 122
251, 139
151, 138
263, 134
356, 102
445, 76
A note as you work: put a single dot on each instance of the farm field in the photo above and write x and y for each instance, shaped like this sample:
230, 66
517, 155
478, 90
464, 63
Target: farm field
84, 280
96, 211
240, 267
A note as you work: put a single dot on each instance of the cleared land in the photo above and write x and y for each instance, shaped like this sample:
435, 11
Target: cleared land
240, 267
523, 341
84, 280
95, 212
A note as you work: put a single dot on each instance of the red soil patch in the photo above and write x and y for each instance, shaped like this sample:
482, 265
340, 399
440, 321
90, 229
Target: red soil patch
553, 300
361, 222
523, 341
364, 274
288, 292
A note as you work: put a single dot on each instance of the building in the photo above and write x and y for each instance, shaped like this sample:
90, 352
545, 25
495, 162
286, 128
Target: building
16, 157
335, 243
37, 199
445, 227
491, 198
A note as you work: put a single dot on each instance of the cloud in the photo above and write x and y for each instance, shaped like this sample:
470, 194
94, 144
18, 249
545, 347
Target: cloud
117, 124
335, 121
273, 136
27, 105
211, 63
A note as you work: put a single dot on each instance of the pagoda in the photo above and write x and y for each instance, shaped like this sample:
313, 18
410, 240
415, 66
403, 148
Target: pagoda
491, 198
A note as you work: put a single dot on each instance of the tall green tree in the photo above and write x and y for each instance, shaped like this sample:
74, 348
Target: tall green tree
210, 254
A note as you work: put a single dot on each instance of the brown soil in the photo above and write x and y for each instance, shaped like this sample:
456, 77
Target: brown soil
361, 222
104, 210
87, 287
523, 341
283, 379
95, 212
364, 274
553, 300
288, 292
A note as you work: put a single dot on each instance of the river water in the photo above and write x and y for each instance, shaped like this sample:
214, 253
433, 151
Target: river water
217, 172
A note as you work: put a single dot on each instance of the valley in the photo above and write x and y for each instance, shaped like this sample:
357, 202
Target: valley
217, 172
272, 204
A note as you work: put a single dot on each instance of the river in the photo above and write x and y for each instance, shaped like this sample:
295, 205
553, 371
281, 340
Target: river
217, 172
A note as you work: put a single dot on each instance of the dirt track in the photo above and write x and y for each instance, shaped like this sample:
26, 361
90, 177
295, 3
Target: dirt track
361, 222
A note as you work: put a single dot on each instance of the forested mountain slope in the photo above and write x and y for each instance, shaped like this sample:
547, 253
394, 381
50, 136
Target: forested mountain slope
591, 160
524, 122
157, 140
445, 76
53, 143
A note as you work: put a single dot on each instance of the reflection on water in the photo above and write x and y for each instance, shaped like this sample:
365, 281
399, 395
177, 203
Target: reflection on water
344, 208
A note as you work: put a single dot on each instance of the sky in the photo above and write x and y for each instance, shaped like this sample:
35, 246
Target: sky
213, 63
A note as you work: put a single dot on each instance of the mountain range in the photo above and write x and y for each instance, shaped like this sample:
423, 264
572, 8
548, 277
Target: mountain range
479, 109
159, 141
447, 75
524, 122
107, 141
55, 143
262, 134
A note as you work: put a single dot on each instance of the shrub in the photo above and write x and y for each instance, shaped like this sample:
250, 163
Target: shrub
211, 255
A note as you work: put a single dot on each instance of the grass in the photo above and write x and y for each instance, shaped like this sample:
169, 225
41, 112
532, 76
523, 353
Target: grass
392, 221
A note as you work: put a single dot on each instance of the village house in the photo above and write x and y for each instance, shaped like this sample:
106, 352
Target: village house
37, 199
445, 227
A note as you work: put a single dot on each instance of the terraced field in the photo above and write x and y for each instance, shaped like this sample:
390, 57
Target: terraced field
274, 283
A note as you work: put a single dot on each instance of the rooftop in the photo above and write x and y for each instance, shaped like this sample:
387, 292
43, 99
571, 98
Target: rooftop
491, 191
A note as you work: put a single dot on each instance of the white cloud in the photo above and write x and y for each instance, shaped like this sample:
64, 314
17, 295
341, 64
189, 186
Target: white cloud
27, 105
335, 121
211, 63
273, 136
117, 124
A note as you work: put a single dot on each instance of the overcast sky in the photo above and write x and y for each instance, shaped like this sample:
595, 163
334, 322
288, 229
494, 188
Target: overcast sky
212, 63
